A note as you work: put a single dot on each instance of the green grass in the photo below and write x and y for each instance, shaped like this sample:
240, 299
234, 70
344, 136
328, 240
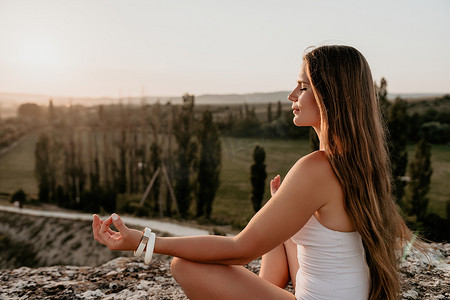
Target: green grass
439, 192
17, 167
232, 204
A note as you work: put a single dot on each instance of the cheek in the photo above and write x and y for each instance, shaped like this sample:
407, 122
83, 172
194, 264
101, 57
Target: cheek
309, 103
309, 112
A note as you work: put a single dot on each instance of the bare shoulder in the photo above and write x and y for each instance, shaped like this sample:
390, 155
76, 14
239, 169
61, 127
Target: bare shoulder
316, 173
316, 165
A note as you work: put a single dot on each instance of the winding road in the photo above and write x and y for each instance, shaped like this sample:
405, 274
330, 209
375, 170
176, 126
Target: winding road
171, 228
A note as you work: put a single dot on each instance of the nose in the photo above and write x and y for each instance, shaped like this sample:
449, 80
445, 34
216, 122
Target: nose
292, 96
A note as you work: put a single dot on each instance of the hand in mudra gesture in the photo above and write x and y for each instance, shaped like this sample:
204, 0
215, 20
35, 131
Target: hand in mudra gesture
275, 184
125, 239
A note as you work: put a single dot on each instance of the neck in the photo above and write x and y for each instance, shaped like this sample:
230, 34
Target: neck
321, 144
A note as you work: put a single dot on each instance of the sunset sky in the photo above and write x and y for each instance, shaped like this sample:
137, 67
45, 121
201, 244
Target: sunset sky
170, 47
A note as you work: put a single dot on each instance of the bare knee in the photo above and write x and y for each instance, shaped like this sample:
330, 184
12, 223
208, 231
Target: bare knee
178, 268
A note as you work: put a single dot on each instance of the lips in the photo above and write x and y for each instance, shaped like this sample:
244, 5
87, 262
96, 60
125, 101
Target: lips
295, 110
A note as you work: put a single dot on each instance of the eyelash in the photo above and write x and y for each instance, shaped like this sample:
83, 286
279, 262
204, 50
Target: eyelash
303, 89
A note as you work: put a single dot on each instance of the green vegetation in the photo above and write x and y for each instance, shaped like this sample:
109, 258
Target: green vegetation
96, 158
397, 121
232, 204
208, 177
258, 176
186, 155
439, 193
233, 201
17, 167
420, 170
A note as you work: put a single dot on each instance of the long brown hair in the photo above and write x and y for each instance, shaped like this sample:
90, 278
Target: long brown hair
352, 134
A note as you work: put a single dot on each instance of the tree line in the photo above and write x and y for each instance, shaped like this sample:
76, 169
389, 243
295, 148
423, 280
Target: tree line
410, 190
161, 159
149, 160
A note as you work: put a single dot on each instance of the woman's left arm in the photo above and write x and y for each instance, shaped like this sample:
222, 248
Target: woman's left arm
303, 192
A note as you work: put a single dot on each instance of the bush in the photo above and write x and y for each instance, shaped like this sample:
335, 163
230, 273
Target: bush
435, 132
436, 228
20, 196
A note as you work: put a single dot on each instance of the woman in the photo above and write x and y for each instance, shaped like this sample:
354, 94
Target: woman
331, 227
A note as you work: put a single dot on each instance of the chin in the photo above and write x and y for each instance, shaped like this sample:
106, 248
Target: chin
297, 122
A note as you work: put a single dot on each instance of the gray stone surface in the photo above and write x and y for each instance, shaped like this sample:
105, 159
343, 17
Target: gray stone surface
130, 278
101, 275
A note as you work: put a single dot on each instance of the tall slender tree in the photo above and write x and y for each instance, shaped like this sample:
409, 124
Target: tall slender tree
168, 163
419, 185
279, 110
155, 153
398, 136
258, 177
186, 154
106, 157
269, 113
382, 92
209, 164
41, 168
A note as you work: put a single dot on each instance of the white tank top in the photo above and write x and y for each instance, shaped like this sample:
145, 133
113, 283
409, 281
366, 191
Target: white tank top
332, 264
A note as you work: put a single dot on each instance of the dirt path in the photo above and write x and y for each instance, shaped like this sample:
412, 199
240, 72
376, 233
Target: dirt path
170, 228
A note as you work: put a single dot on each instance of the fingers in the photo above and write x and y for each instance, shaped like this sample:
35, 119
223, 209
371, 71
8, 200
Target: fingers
108, 237
117, 221
277, 181
104, 227
96, 226
276, 178
275, 184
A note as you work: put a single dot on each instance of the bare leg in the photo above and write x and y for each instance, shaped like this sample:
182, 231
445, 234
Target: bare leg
280, 265
210, 281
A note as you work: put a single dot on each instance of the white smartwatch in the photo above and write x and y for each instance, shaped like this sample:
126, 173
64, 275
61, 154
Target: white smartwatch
150, 248
144, 241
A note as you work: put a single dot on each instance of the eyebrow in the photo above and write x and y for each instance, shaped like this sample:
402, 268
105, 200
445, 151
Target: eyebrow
300, 82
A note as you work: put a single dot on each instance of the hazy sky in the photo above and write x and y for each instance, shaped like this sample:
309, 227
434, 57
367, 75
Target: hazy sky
169, 47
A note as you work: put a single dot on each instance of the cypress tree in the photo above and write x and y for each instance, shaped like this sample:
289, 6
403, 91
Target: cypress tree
209, 165
155, 161
258, 177
279, 110
41, 167
186, 154
420, 171
398, 135
381, 92
269, 112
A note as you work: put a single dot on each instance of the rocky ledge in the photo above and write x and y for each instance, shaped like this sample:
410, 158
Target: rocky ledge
130, 278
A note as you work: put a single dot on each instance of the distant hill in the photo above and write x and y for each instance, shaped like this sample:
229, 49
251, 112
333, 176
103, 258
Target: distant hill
10, 101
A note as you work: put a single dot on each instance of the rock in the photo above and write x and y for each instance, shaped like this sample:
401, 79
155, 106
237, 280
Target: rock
88, 295
130, 278
411, 294
100, 276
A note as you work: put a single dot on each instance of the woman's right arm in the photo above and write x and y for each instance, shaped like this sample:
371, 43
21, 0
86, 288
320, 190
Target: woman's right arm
303, 191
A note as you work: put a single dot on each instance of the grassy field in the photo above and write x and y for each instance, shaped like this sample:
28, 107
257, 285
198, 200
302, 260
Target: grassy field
232, 204
439, 192
17, 167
